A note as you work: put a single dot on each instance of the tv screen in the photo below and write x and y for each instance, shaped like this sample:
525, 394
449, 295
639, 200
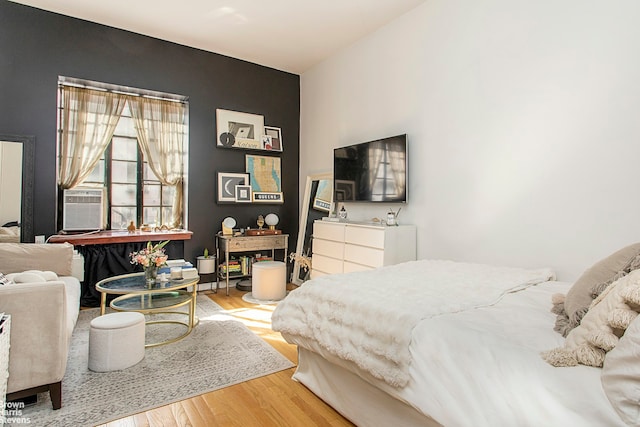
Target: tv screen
374, 171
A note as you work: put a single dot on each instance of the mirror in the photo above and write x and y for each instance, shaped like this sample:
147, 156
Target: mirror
317, 203
16, 188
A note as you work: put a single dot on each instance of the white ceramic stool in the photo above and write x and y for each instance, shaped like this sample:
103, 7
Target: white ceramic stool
116, 341
268, 280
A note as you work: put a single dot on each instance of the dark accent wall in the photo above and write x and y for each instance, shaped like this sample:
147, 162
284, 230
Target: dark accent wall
38, 46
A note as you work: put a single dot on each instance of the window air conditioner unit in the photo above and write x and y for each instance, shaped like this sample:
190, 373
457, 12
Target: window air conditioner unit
83, 209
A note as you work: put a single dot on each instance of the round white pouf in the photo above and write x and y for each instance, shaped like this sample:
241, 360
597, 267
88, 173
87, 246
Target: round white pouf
116, 341
269, 280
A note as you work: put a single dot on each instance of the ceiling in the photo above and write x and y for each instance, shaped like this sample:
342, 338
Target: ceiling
288, 35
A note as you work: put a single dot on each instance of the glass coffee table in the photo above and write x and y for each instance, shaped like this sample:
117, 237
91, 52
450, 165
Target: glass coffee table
157, 298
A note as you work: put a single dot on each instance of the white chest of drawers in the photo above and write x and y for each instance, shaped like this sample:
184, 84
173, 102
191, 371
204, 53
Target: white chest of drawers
345, 247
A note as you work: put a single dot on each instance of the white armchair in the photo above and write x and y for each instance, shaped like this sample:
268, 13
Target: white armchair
43, 315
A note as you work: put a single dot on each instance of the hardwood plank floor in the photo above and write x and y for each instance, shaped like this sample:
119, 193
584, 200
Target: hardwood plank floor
272, 400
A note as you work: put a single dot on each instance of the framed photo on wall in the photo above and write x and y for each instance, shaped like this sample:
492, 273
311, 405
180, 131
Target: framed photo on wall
227, 183
239, 130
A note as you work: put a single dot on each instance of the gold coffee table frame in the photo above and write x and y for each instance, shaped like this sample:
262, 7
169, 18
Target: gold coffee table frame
159, 298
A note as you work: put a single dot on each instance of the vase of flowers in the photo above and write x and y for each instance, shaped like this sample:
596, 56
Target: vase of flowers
151, 258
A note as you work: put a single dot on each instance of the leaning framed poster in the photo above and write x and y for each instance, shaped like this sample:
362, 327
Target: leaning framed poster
266, 178
239, 130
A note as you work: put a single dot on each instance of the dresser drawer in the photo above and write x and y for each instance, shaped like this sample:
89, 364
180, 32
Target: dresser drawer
328, 248
325, 264
328, 231
364, 255
365, 236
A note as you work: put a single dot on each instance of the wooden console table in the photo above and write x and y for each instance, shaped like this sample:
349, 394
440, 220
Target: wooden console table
230, 244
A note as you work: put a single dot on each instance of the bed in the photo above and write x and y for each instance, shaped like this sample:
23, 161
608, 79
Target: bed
431, 342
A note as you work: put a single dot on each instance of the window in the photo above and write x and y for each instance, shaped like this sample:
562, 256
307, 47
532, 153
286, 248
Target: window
140, 160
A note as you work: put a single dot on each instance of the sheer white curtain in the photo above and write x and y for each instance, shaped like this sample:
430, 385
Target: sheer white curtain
88, 120
160, 126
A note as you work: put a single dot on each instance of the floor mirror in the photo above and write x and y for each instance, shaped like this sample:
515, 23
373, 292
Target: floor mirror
316, 203
16, 188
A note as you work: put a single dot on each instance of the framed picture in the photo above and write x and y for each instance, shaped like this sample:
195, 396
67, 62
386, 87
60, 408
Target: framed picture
227, 182
272, 139
243, 194
266, 178
239, 130
266, 197
323, 196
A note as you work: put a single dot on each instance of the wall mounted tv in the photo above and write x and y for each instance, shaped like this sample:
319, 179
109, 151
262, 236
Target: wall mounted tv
374, 171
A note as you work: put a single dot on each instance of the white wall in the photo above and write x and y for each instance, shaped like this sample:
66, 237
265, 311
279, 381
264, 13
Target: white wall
523, 120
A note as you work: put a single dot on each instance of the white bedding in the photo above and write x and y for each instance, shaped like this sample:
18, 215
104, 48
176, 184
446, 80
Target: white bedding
368, 317
482, 368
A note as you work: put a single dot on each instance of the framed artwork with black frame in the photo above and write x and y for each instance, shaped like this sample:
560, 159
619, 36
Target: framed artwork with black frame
227, 182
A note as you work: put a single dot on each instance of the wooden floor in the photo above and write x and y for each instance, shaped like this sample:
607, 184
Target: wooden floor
272, 400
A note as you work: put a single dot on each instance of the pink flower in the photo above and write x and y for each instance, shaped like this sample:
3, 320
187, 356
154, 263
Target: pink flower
151, 255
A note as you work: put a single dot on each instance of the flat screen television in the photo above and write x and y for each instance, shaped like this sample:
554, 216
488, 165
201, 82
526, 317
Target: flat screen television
374, 171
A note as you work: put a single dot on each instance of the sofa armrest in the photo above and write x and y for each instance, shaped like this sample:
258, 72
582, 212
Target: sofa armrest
39, 337
19, 257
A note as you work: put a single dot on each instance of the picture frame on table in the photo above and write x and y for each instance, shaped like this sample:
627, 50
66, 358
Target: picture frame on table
227, 182
239, 130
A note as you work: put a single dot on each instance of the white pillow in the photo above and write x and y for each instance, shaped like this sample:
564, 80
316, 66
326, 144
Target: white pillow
32, 276
621, 375
608, 317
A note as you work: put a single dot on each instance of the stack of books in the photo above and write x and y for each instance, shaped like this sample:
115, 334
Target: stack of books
234, 267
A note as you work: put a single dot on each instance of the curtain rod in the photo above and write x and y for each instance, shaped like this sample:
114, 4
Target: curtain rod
120, 91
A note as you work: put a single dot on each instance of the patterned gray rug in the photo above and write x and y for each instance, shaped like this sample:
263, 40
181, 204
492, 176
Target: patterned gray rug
218, 353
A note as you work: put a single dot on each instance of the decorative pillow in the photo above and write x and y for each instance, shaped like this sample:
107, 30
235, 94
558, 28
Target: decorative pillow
4, 280
32, 276
572, 308
608, 317
621, 375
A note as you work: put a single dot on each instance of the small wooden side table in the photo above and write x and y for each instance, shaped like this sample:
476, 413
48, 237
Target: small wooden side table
231, 244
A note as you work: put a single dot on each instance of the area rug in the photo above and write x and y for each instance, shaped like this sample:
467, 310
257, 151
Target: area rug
218, 353
248, 297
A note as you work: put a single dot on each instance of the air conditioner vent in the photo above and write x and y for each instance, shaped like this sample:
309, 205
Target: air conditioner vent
83, 209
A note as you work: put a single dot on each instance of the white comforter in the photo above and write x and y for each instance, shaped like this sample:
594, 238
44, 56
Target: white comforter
368, 317
482, 368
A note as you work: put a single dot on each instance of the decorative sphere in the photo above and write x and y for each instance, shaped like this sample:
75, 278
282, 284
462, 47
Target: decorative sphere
271, 220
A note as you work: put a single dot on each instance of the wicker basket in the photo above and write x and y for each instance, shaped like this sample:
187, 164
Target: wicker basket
5, 333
